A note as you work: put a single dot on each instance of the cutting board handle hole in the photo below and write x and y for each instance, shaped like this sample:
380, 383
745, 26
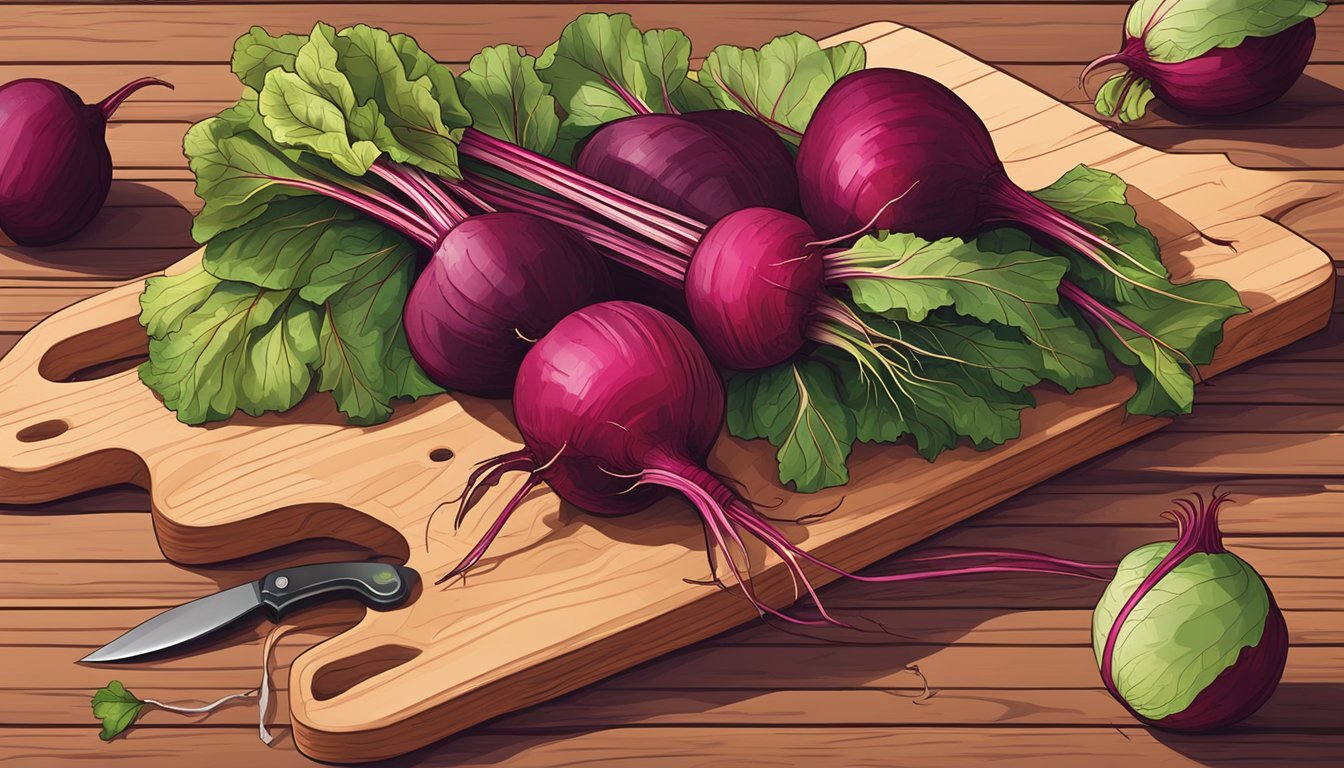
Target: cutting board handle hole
43, 430
341, 675
440, 454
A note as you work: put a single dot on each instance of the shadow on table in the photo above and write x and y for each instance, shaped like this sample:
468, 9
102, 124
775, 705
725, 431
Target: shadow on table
1298, 110
139, 230
1293, 706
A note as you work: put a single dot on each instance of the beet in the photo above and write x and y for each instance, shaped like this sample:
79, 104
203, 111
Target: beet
752, 285
704, 165
1188, 636
496, 283
55, 168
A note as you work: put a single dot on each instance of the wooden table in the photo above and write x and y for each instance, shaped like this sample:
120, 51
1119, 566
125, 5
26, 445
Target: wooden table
1010, 657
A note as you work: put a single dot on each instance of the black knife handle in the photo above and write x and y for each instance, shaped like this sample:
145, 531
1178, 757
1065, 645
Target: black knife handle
377, 585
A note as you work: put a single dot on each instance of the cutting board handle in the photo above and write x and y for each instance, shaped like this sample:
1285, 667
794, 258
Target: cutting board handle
67, 420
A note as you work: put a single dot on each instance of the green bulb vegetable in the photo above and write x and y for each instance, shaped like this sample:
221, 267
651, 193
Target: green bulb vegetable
1188, 636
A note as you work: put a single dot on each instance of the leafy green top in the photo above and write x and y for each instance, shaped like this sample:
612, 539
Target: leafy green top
117, 708
297, 289
781, 82
1179, 30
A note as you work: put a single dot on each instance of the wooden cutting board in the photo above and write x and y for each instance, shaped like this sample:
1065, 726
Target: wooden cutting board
564, 599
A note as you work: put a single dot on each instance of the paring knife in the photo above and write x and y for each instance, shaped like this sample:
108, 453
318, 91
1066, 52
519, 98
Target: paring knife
377, 585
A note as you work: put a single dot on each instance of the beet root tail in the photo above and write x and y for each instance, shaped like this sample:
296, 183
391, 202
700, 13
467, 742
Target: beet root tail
486, 475
724, 514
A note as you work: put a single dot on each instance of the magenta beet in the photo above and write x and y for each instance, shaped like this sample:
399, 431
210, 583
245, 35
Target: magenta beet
751, 287
55, 168
496, 283
701, 164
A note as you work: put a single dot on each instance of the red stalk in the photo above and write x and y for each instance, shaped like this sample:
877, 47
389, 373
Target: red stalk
109, 105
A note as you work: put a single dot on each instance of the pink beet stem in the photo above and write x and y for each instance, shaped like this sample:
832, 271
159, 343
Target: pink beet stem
109, 105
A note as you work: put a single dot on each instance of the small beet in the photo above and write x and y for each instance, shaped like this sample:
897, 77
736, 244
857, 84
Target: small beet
55, 168
1188, 636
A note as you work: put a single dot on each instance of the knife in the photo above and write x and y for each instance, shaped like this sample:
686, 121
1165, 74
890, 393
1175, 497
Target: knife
377, 585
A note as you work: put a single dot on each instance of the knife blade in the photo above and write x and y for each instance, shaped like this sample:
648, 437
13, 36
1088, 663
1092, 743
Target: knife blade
377, 585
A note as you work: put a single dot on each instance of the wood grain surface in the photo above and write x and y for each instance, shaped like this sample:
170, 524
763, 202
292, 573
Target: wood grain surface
94, 578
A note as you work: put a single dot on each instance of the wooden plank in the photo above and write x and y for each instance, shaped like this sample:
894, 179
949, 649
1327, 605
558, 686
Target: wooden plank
1326, 345
119, 244
1318, 220
726, 747
85, 629
1257, 506
23, 305
603, 707
206, 32
997, 32
162, 585
802, 666
1302, 707
1274, 381
204, 88
1252, 418
1212, 457
869, 666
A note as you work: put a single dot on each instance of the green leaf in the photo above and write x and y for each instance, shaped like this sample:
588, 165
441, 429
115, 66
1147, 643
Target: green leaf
1188, 327
782, 82
309, 107
668, 55
237, 171
365, 360
241, 348
417, 97
117, 708
297, 116
257, 52
1010, 360
508, 100
989, 281
936, 403
1178, 30
168, 300
1189, 628
603, 68
1072, 357
797, 407
1166, 385
280, 248
1097, 199
1124, 97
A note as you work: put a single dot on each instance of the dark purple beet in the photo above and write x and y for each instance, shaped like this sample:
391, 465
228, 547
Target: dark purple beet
1223, 81
55, 169
496, 281
701, 164
754, 264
